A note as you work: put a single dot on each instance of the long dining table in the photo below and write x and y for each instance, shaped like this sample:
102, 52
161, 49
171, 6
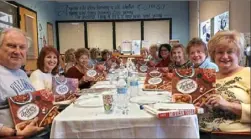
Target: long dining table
93, 122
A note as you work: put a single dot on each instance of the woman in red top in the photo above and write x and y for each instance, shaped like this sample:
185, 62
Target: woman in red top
164, 51
82, 66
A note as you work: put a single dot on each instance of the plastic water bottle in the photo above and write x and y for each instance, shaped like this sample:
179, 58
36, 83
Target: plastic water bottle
122, 96
134, 85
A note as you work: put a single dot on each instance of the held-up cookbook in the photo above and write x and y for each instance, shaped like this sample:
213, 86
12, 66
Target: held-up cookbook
158, 79
172, 110
96, 75
64, 88
36, 104
192, 85
141, 65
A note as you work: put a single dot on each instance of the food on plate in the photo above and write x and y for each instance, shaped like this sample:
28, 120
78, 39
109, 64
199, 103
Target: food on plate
150, 86
182, 98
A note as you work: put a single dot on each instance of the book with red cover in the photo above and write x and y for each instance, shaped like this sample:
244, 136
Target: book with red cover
172, 110
192, 85
36, 104
64, 88
158, 79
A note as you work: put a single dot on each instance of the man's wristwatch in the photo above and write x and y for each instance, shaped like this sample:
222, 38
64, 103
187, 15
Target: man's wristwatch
15, 132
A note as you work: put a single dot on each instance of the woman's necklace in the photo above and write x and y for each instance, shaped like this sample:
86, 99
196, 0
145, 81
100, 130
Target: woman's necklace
185, 76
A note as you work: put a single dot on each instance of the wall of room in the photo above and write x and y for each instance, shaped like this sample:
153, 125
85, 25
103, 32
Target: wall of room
177, 10
45, 13
210, 8
193, 19
239, 14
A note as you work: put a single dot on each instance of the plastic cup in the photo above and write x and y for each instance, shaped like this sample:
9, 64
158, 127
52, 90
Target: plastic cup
108, 102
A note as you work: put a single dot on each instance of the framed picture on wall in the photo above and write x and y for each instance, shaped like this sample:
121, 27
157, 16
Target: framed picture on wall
221, 22
136, 46
8, 15
50, 34
205, 30
173, 42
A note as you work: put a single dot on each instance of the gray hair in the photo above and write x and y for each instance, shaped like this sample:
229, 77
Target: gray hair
7, 30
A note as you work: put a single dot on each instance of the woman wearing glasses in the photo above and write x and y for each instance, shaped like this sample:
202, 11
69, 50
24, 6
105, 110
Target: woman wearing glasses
164, 54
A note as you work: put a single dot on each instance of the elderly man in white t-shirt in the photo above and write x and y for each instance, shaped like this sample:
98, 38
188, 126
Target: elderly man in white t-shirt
14, 81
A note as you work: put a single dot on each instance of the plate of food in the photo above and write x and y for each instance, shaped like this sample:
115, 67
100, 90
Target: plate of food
89, 102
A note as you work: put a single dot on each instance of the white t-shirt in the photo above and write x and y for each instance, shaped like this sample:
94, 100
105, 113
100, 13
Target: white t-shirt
41, 80
12, 83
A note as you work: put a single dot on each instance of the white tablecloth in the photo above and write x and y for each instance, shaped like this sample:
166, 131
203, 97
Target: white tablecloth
76, 122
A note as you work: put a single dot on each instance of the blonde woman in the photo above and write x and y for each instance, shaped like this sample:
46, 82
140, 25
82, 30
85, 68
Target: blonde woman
144, 53
94, 55
229, 109
154, 58
69, 59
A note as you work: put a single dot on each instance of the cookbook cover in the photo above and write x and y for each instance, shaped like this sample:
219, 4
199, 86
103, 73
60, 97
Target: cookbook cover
192, 85
96, 75
36, 104
64, 88
158, 79
142, 65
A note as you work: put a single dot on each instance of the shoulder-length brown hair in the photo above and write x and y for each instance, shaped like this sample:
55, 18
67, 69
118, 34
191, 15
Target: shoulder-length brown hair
40, 61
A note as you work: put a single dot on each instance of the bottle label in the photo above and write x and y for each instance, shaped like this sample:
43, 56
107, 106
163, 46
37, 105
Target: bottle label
134, 83
121, 90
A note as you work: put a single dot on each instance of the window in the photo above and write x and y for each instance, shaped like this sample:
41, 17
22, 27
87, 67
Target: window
127, 31
157, 31
71, 35
100, 35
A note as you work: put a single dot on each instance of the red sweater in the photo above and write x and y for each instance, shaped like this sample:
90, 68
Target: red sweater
164, 62
73, 72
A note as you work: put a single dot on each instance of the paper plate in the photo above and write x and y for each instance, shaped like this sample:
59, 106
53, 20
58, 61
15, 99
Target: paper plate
148, 93
65, 102
89, 102
103, 86
150, 99
155, 80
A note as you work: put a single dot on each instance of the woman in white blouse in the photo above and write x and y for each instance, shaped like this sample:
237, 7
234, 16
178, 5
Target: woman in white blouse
47, 63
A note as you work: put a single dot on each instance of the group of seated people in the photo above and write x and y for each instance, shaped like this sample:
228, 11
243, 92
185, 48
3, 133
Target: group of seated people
228, 111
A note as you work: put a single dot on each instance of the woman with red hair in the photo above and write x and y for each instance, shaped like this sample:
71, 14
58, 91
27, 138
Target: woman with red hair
48, 64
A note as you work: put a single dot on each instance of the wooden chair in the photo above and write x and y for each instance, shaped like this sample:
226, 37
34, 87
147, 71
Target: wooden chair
232, 135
